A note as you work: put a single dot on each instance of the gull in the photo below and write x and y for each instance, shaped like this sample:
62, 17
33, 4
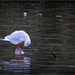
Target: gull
16, 38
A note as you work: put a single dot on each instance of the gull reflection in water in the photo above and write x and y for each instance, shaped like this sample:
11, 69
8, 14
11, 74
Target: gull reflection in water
19, 54
22, 67
18, 66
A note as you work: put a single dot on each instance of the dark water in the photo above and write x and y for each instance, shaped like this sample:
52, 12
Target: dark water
50, 26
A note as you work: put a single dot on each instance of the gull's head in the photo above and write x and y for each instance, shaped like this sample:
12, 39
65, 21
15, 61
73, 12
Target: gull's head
27, 43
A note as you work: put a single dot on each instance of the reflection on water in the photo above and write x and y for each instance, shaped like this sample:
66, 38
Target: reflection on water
50, 25
20, 66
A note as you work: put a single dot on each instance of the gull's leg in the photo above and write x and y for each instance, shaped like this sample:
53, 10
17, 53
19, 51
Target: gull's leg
18, 47
17, 58
18, 55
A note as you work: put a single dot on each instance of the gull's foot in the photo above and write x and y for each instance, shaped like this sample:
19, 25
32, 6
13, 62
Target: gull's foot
22, 52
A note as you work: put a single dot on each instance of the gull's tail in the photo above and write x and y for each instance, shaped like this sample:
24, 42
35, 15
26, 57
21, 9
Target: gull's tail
3, 39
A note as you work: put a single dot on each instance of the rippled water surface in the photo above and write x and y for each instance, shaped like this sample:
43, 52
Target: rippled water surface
51, 25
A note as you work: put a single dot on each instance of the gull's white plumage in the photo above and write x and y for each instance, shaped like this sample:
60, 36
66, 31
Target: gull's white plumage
17, 37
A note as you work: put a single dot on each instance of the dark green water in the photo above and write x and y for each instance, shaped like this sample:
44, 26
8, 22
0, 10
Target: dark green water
50, 26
